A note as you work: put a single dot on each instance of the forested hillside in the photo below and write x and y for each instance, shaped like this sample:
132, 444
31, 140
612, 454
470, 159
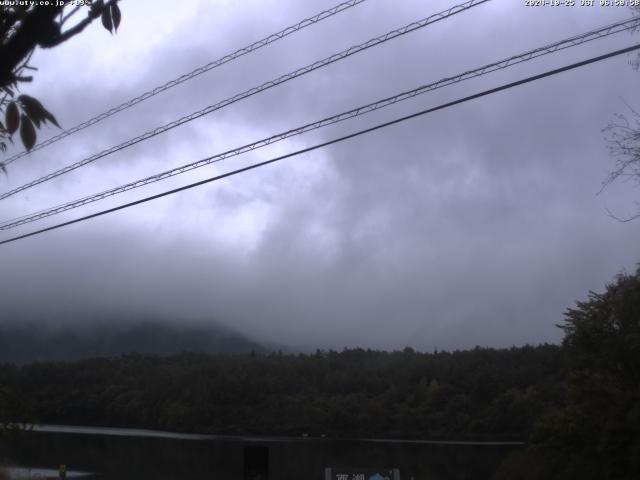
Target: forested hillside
577, 405
476, 394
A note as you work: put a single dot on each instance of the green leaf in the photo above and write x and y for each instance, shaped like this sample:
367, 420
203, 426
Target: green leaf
27, 132
115, 15
12, 117
36, 112
95, 8
106, 20
49, 116
33, 108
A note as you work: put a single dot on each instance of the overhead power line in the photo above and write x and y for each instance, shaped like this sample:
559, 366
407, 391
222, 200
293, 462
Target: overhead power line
331, 142
265, 86
508, 62
307, 22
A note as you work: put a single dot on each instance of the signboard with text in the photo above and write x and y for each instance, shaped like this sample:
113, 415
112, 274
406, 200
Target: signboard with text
361, 474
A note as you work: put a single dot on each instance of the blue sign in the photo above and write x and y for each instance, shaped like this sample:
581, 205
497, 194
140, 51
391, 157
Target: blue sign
361, 474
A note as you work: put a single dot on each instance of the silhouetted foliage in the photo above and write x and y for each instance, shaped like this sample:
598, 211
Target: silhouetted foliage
24, 26
16, 411
475, 394
595, 432
623, 141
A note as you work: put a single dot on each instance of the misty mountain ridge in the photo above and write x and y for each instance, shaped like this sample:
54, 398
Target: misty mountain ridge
29, 341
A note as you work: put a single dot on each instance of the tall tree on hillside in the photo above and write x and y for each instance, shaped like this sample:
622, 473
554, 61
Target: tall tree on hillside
623, 141
596, 434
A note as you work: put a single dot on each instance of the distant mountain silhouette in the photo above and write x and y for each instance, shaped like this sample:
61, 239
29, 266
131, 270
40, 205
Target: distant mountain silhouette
25, 342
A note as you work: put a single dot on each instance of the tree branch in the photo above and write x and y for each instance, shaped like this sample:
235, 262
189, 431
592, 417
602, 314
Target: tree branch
36, 26
622, 220
39, 28
76, 29
9, 18
69, 15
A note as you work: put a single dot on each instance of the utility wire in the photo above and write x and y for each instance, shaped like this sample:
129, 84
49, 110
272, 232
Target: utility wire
194, 73
272, 83
502, 64
335, 140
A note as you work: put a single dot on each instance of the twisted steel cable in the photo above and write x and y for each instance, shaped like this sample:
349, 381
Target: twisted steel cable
358, 133
194, 73
253, 91
576, 40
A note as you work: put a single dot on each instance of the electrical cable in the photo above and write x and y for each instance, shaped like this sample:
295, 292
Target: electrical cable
194, 73
331, 142
505, 63
253, 91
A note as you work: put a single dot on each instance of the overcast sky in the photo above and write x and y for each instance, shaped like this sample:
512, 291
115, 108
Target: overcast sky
478, 224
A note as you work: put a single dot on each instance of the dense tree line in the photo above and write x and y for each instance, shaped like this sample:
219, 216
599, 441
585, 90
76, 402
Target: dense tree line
594, 432
578, 404
476, 394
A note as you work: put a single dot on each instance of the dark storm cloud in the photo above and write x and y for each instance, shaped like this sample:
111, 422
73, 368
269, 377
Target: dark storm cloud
478, 224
